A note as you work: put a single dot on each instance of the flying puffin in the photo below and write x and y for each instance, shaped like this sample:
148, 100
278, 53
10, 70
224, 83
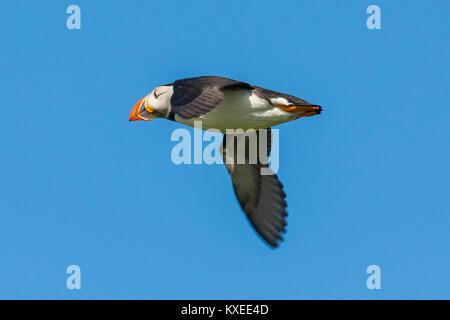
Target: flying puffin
222, 104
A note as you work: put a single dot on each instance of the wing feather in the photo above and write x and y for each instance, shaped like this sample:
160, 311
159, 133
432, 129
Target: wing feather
261, 197
194, 97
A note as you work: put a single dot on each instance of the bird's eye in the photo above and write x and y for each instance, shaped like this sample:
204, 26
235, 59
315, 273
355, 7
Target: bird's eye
155, 94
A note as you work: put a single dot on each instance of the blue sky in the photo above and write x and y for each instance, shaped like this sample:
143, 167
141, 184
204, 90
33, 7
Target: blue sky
367, 181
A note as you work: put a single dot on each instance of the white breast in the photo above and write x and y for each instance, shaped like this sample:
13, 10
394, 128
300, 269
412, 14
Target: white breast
240, 110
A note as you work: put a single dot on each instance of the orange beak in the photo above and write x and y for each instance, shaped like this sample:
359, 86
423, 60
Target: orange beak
134, 115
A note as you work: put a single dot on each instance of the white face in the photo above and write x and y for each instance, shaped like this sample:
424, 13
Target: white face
159, 101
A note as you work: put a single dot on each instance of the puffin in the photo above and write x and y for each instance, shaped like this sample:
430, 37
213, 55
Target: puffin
226, 104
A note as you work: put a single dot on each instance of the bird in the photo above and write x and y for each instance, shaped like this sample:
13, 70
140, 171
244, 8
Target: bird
225, 104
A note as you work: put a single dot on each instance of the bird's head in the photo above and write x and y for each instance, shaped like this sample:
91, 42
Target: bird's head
154, 105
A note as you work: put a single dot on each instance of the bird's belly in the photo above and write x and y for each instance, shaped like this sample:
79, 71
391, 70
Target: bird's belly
239, 111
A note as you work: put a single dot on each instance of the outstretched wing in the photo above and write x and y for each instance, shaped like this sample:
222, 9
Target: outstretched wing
194, 97
261, 196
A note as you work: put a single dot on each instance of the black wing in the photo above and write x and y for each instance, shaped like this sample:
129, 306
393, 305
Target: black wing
194, 97
261, 196
270, 94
